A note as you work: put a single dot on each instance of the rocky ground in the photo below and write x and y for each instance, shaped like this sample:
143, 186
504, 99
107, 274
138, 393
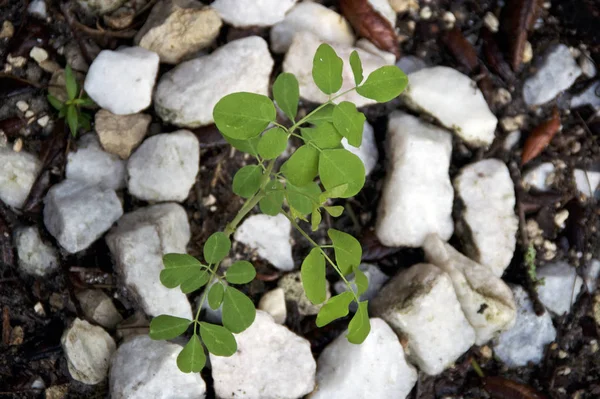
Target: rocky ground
479, 219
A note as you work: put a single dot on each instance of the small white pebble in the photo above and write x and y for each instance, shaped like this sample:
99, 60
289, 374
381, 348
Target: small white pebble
560, 218
38, 383
213, 208
491, 22
43, 121
550, 250
502, 97
38, 54
39, 309
512, 139
562, 354
426, 12
547, 5
486, 352
565, 371
210, 200
17, 62
594, 346
18, 145
449, 19
527, 53
8, 30
22, 106
3, 139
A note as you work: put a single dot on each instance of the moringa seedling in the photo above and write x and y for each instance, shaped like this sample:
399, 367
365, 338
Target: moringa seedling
71, 109
318, 170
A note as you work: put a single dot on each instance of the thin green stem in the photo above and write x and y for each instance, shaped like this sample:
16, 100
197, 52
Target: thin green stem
301, 121
280, 125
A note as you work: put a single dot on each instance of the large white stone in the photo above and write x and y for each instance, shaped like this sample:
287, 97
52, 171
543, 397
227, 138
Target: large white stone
138, 243
121, 81
420, 304
92, 165
35, 256
489, 224
526, 340
557, 72
88, 350
187, 94
539, 177
271, 362
176, 29
417, 196
299, 61
486, 300
367, 152
561, 286
374, 369
270, 237
98, 306
77, 214
293, 291
326, 24
587, 181
588, 97
409, 64
18, 171
247, 13
454, 100
384, 8
143, 368
164, 167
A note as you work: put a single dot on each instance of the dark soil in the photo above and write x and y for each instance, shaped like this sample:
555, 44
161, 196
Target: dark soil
30, 346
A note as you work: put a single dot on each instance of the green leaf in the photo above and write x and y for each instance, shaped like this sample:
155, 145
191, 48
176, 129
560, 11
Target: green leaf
321, 115
384, 84
72, 119
338, 167
303, 198
192, 359
335, 308
334, 211
70, 83
272, 143
55, 102
323, 136
360, 280
238, 311
178, 268
348, 251
86, 102
327, 69
85, 121
249, 146
243, 115
63, 111
216, 247
247, 181
315, 219
168, 327
218, 340
286, 94
359, 326
349, 122
356, 66
241, 272
196, 281
303, 166
312, 272
273, 201
333, 192
215, 295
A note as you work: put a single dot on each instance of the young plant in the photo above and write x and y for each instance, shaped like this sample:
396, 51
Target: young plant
71, 109
248, 122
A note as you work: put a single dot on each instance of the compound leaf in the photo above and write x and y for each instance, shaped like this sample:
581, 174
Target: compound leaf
324, 114
303, 166
335, 210
192, 359
218, 340
324, 136
338, 167
348, 251
216, 247
315, 219
360, 280
243, 115
356, 66
313, 276
55, 102
359, 326
168, 327
272, 143
197, 280
384, 84
349, 122
327, 69
249, 146
335, 308
241, 272
303, 198
247, 181
178, 268
238, 310
273, 201
215, 295
286, 93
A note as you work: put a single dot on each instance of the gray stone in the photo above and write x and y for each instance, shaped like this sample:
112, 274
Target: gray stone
98, 306
35, 256
376, 279
247, 13
591, 274
561, 286
18, 171
590, 96
587, 181
291, 284
410, 64
121, 134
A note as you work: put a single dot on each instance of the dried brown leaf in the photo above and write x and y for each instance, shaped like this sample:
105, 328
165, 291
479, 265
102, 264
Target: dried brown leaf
502, 388
517, 20
461, 49
540, 137
494, 57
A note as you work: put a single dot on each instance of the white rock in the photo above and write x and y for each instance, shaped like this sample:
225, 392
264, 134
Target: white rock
561, 286
176, 29
464, 111
417, 195
401, 6
77, 214
368, 46
491, 22
18, 171
138, 243
91, 164
590, 96
88, 350
269, 236
587, 181
271, 363
540, 177
376, 279
291, 284
490, 224
526, 341
557, 73
99, 7
420, 304
143, 368
98, 306
38, 54
122, 81
367, 152
164, 167
187, 94
591, 274
410, 64
273, 302
588, 68
511, 139
486, 300
35, 256
326, 24
247, 13
38, 8
374, 369
299, 61
120, 134
384, 8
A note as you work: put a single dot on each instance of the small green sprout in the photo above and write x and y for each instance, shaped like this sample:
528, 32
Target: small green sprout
530, 255
319, 170
71, 109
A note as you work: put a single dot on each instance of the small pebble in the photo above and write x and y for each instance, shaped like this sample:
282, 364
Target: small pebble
22, 106
565, 371
594, 346
562, 354
17, 62
512, 123
449, 19
39, 309
502, 97
491, 22
527, 53
550, 250
3, 139
587, 66
8, 30
560, 218
38, 54
18, 145
426, 12
43, 121
29, 113
486, 352
16, 336
38, 383
208, 201
213, 208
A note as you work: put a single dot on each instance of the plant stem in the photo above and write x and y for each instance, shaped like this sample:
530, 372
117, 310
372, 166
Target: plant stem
301, 121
